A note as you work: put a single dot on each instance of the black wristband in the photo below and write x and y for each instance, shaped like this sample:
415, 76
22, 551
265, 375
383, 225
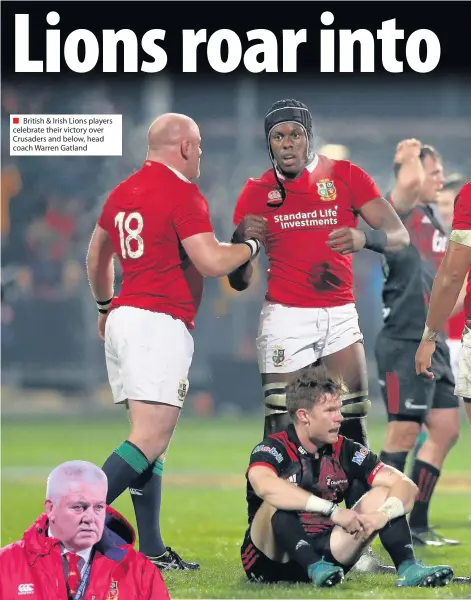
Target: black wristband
103, 305
376, 240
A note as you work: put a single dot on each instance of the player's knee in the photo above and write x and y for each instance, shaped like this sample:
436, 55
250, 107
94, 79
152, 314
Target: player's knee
444, 436
401, 435
280, 521
355, 405
274, 398
152, 427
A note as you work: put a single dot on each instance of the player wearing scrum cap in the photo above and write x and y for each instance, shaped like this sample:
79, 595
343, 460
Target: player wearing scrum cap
311, 206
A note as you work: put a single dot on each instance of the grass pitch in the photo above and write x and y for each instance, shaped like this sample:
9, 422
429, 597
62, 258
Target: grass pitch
204, 512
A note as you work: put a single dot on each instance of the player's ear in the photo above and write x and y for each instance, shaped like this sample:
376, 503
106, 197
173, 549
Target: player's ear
185, 149
302, 416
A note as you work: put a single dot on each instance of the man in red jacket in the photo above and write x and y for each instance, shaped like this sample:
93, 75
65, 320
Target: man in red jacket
78, 549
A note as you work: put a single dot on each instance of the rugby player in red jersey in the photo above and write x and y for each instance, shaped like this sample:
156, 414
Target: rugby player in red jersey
451, 275
311, 205
456, 322
157, 223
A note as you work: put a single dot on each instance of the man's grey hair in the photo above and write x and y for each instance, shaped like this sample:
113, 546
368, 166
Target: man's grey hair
69, 474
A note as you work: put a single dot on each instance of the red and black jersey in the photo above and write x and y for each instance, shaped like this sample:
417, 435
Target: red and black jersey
409, 275
327, 474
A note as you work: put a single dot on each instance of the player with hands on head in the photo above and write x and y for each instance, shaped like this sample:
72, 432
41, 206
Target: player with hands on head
296, 481
157, 223
412, 402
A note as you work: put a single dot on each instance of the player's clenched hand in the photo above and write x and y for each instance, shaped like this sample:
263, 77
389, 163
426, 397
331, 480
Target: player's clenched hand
347, 519
371, 522
423, 358
101, 325
346, 240
407, 149
251, 226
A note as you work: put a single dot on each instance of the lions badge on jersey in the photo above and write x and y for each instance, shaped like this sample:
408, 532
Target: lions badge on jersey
113, 593
326, 189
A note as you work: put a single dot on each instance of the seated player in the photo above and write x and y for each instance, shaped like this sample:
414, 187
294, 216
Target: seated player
296, 480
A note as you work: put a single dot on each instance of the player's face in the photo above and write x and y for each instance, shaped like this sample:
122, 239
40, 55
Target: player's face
446, 201
289, 144
78, 518
324, 420
433, 181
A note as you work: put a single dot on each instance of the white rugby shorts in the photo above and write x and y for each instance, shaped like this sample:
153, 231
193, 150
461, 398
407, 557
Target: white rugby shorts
455, 351
463, 379
148, 356
291, 338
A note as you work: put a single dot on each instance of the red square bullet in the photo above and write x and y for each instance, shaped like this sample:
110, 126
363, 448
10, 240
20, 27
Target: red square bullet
15, 120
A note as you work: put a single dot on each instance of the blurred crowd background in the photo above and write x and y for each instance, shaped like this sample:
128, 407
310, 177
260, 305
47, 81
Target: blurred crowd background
52, 359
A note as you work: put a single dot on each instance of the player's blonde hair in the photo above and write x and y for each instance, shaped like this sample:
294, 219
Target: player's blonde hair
311, 387
70, 474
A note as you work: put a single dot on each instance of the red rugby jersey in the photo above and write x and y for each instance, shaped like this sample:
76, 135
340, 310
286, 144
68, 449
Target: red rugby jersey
147, 216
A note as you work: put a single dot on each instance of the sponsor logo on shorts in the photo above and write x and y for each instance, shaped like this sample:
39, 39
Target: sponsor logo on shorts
182, 390
270, 450
278, 356
360, 455
301, 450
409, 404
326, 189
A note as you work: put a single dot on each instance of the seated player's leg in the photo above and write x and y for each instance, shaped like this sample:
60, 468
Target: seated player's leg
343, 354
285, 345
276, 549
443, 425
148, 357
396, 540
463, 379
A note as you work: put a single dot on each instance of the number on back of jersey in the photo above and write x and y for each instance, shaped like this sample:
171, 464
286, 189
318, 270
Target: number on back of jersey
130, 227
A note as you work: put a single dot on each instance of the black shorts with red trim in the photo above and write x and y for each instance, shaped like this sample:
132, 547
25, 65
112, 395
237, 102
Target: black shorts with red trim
408, 396
261, 569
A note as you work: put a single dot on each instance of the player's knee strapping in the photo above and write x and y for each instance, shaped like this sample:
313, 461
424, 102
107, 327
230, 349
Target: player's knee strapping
274, 398
355, 405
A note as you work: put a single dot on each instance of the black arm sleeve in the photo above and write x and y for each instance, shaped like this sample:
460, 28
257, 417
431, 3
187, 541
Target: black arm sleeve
358, 462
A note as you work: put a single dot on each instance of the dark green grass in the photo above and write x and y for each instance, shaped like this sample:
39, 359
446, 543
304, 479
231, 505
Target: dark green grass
203, 513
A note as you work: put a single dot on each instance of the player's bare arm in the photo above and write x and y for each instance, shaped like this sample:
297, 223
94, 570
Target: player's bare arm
100, 272
381, 216
399, 485
283, 495
446, 290
460, 302
251, 225
400, 500
388, 233
410, 176
216, 259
